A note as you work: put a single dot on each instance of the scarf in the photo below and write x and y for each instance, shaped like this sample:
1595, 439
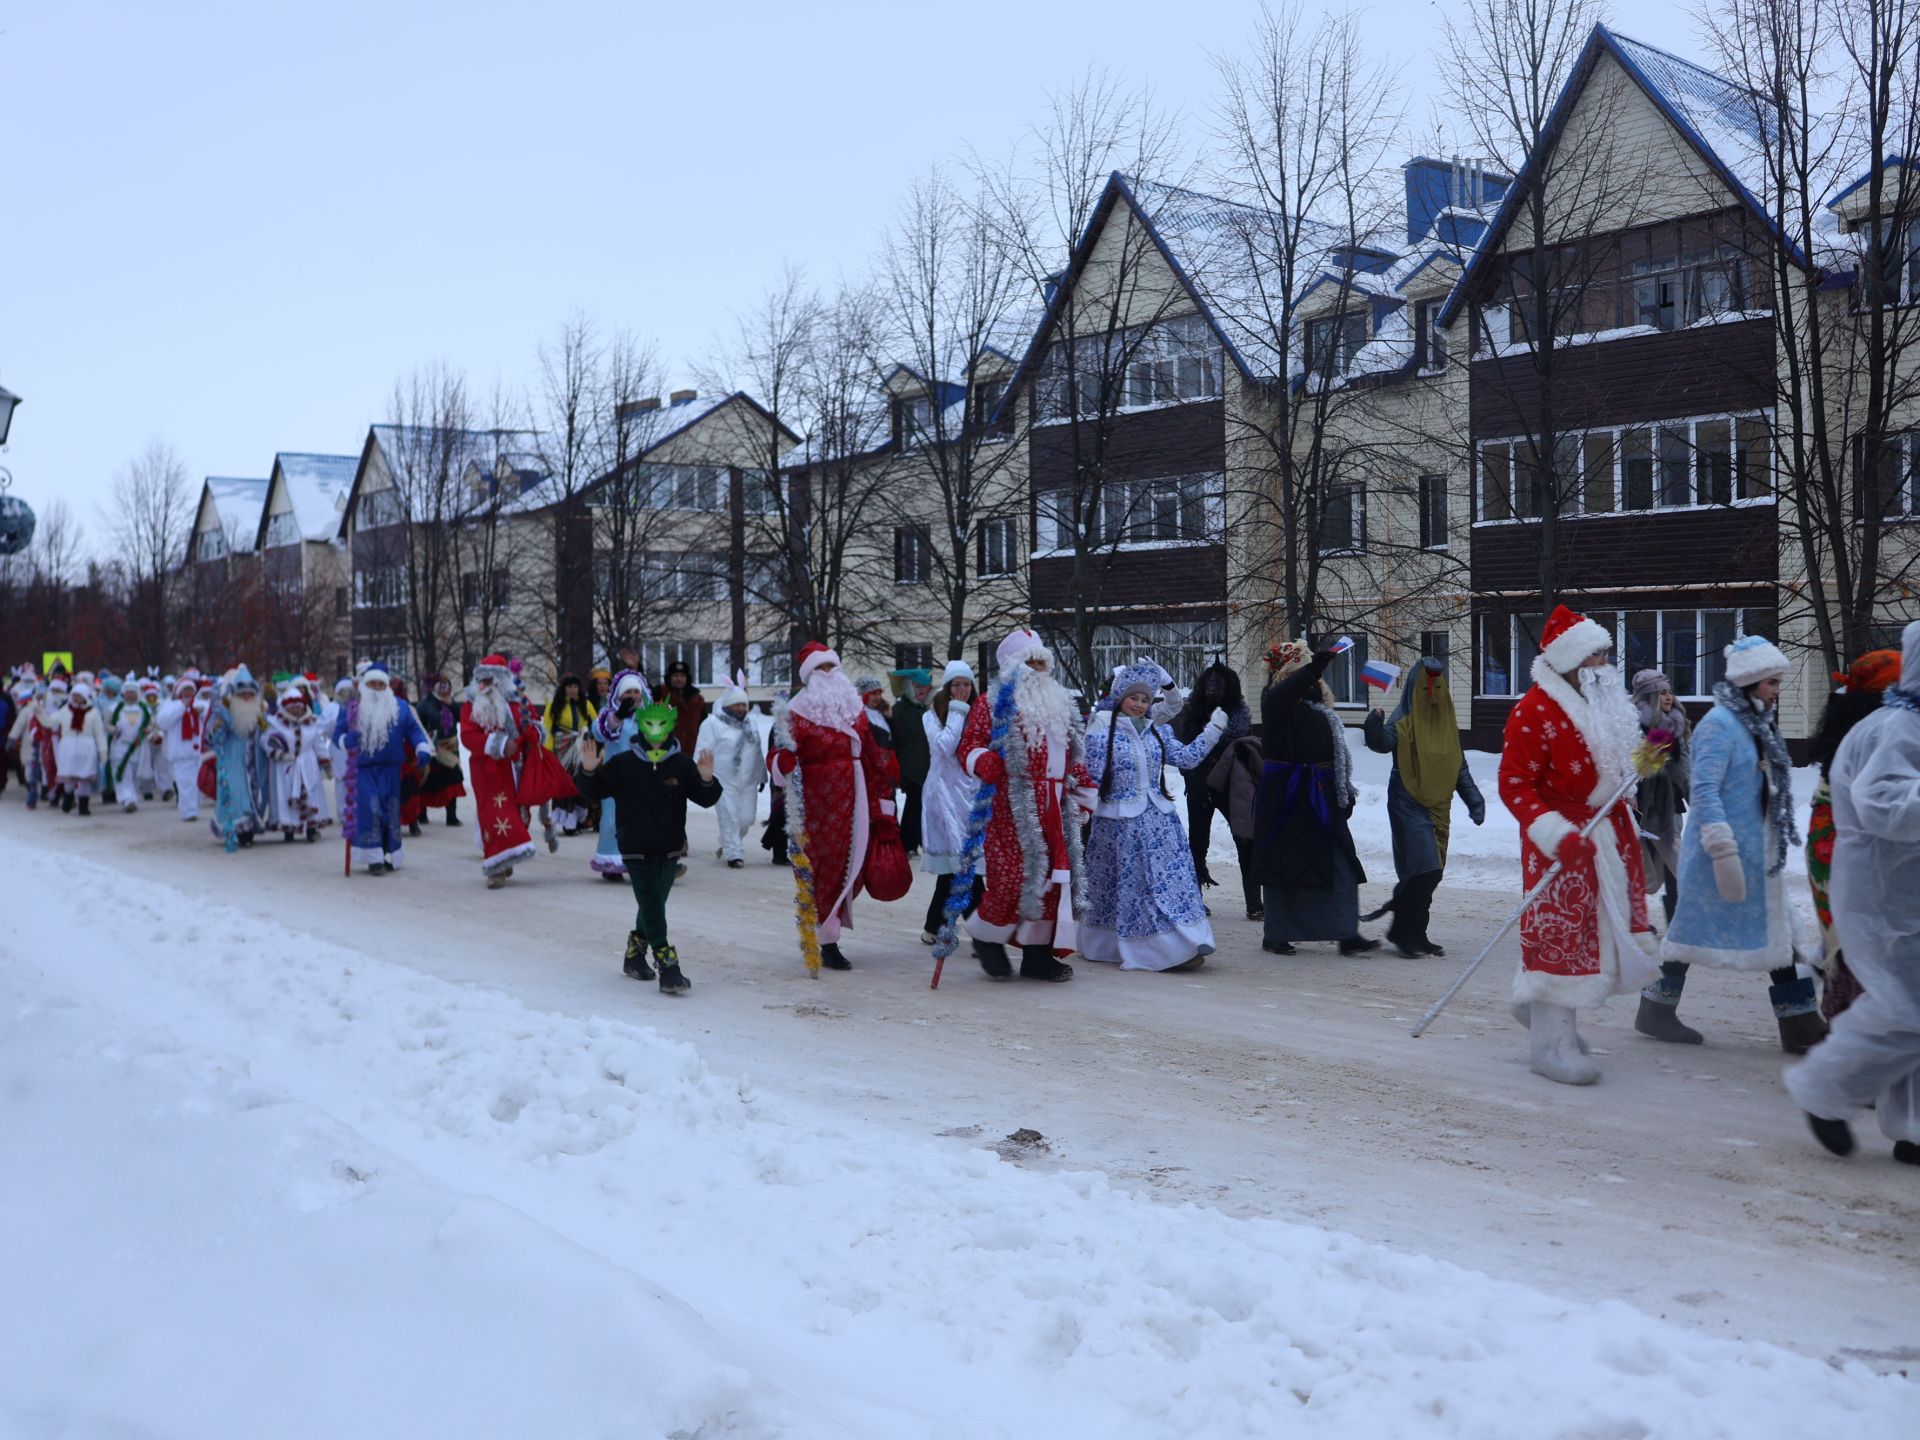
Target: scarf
1344, 795
1428, 753
1765, 730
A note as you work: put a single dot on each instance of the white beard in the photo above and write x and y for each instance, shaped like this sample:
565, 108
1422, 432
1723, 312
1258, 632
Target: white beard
379, 710
829, 700
1617, 722
491, 708
244, 712
1045, 710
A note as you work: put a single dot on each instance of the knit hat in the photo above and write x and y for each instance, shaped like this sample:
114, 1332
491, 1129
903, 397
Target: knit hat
1649, 682
1753, 658
812, 656
1872, 673
870, 685
1571, 637
956, 670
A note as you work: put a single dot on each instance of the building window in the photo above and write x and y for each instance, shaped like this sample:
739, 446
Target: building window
697, 655
987, 396
1659, 277
379, 587
769, 663
212, 545
1172, 362
1437, 643
1343, 520
1333, 341
1181, 509
1433, 512
913, 657
1688, 645
760, 492
282, 530
913, 419
999, 540
378, 509
339, 602
911, 551
1708, 460
1343, 675
1888, 478
1185, 648
470, 589
688, 575
1430, 341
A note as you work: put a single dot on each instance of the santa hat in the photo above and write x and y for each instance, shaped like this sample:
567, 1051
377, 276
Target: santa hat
956, 670
293, 691
1571, 637
186, 683
736, 692
626, 681
241, 678
82, 694
374, 670
494, 668
812, 656
57, 686
1020, 646
1753, 658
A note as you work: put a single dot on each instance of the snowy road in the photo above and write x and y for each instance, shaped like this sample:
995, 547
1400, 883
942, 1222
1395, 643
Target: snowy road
1684, 1184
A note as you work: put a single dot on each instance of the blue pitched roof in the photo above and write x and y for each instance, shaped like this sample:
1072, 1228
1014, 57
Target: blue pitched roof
1718, 117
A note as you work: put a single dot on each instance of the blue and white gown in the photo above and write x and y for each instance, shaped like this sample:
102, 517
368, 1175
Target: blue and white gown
1143, 898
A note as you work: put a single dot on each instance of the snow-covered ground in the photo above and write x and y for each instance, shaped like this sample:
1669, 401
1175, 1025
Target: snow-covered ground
265, 1179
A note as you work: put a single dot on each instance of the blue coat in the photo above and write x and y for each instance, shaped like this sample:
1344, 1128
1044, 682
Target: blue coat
405, 735
1729, 788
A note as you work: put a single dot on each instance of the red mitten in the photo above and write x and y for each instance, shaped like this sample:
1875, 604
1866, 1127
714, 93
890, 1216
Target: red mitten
784, 761
1576, 849
990, 767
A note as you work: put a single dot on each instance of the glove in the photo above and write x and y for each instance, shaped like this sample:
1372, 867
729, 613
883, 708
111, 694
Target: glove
1217, 720
1477, 812
1576, 849
990, 768
1717, 839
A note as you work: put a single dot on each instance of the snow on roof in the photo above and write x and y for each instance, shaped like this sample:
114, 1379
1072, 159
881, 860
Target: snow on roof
317, 487
237, 501
1723, 116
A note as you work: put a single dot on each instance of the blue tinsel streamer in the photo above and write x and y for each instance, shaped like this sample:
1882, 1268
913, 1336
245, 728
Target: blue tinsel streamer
977, 818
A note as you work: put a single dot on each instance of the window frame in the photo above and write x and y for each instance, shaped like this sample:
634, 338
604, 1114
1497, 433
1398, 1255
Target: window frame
1705, 659
912, 554
1431, 498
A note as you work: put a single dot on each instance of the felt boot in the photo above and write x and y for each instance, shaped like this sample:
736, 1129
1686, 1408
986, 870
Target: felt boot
1796, 1008
1661, 1020
1556, 1046
1836, 1135
993, 959
1522, 1013
1037, 963
831, 957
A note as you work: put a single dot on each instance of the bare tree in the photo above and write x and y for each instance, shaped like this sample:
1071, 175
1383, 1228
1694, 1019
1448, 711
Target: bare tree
1308, 125
953, 299
147, 522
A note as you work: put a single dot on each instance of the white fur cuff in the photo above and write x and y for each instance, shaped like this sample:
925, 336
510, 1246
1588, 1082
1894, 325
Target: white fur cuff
973, 762
886, 807
1547, 830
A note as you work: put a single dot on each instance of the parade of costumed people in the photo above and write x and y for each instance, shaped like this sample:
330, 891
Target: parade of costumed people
1660, 804
1218, 688
1733, 912
839, 782
1029, 745
1871, 1056
1429, 770
513, 771
1568, 751
947, 796
378, 732
614, 730
1310, 872
650, 783
1143, 908
1861, 687
131, 745
740, 763
182, 721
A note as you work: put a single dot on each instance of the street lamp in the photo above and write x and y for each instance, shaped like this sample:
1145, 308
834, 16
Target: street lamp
16, 516
7, 401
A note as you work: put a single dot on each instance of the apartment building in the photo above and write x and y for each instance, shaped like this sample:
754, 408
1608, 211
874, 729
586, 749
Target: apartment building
304, 565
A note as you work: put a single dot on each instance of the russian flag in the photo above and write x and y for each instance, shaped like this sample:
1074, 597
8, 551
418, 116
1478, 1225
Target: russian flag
1379, 674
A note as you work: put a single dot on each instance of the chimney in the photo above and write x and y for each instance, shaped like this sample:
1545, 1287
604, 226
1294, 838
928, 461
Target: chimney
638, 407
681, 397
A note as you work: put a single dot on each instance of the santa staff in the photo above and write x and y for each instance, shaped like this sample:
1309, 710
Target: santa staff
823, 739
1568, 749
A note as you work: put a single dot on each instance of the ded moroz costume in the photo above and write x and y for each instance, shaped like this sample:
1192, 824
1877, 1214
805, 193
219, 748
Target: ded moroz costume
378, 731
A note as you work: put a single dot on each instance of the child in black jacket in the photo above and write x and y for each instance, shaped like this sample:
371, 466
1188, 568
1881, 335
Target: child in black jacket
650, 786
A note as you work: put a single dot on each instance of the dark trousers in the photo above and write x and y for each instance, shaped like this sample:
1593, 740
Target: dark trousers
651, 880
774, 837
910, 816
1789, 993
1200, 813
937, 907
1412, 907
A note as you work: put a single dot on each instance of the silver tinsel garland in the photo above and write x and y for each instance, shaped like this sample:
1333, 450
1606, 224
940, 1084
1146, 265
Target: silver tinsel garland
1035, 854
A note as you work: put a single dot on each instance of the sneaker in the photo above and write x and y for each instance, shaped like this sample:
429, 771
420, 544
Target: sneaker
927, 937
634, 962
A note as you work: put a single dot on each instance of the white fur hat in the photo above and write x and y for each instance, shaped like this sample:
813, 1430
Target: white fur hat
736, 693
956, 670
1019, 647
1753, 658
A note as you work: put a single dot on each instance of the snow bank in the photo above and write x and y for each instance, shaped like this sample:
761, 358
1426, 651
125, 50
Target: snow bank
257, 1183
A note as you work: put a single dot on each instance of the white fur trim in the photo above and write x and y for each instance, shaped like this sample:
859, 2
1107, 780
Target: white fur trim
1575, 644
1547, 830
1573, 705
973, 760
506, 857
983, 930
886, 807
1752, 659
814, 661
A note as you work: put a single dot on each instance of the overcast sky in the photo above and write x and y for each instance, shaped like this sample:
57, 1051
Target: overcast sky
231, 226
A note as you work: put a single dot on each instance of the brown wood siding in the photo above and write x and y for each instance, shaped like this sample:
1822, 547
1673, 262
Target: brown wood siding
1173, 440
1180, 576
1718, 545
1711, 370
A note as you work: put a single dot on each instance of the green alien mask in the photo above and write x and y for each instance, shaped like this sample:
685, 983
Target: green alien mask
656, 729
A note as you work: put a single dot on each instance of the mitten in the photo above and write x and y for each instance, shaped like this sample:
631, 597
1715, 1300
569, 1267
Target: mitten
784, 761
1576, 849
989, 767
1217, 720
1477, 812
1717, 839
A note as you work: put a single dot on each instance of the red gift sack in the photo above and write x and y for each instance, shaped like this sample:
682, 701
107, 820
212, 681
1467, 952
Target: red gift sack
209, 775
543, 778
888, 876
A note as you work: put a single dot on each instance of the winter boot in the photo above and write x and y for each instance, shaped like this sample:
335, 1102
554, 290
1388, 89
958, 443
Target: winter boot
831, 957
635, 960
1661, 1020
496, 880
66, 803
83, 805
1836, 1135
413, 829
1906, 1152
1037, 963
1556, 1046
1796, 1008
993, 959
551, 836
453, 817
672, 982
1522, 1012
736, 864
1358, 945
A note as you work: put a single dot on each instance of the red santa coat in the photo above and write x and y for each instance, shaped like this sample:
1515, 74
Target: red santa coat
496, 785
1588, 936
1022, 901
846, 783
